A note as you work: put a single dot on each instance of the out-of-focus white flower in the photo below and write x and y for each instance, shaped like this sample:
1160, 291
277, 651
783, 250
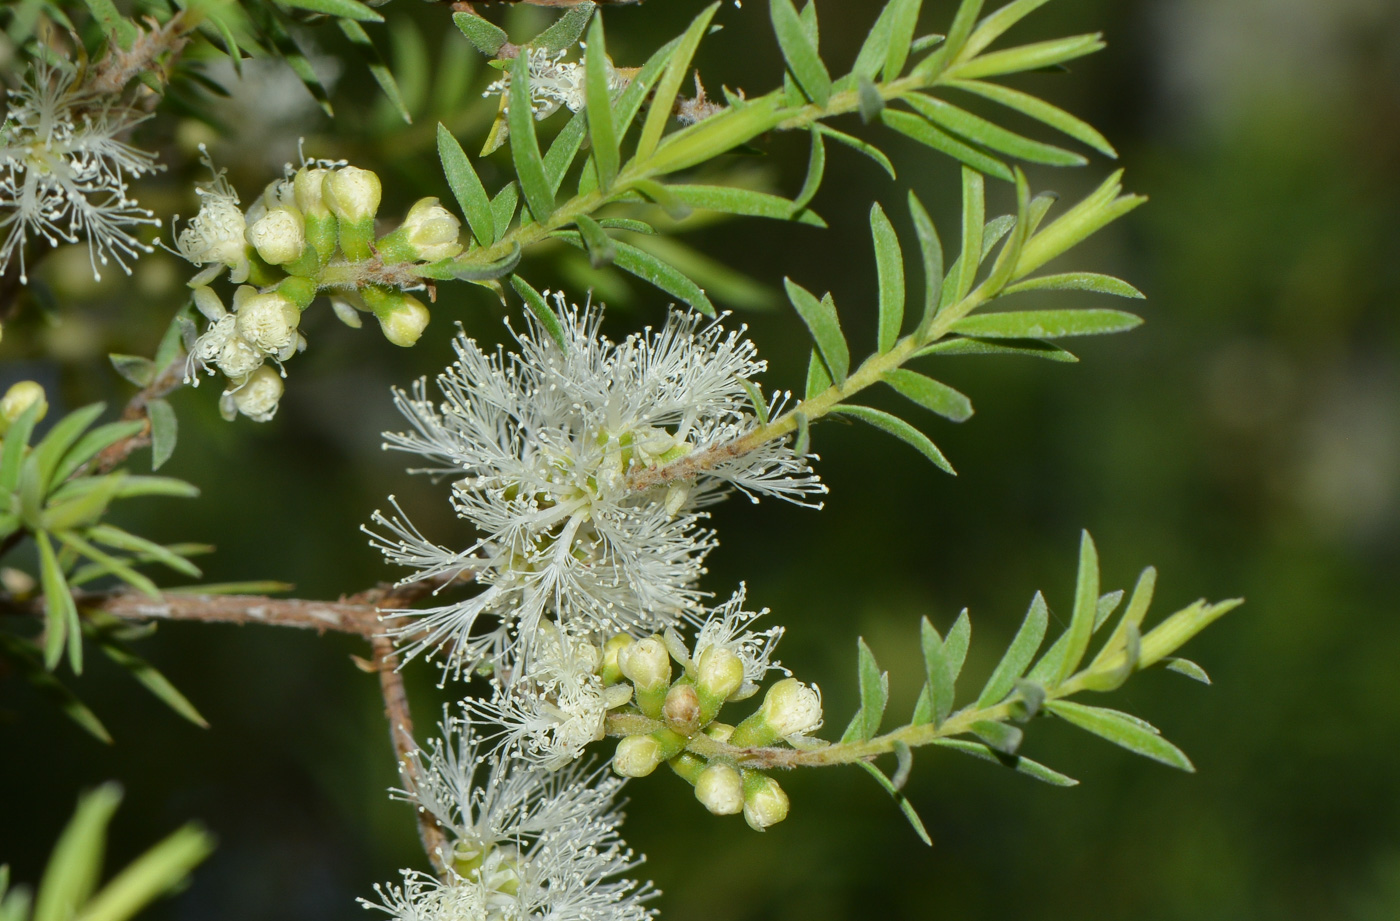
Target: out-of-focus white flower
543, 443
255, 396
554, 82
64, 174
522, 843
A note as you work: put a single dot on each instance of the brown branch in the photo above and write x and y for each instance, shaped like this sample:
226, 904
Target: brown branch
119, 65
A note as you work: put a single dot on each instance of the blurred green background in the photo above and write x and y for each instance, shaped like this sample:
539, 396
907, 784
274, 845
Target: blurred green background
1246, 441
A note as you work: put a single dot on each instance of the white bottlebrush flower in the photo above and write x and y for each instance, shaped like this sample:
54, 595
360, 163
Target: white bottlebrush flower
522, 843
554, 82
64, 175
728, 627
216, 235
543, 443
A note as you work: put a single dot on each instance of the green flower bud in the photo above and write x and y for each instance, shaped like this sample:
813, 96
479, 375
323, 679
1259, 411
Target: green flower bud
720, 789
19, 398
279, 236
306, 191
429, 233
637, 756
720, 673
765, 803
681, 711
401, 317
646, 664
352, 195
610, 671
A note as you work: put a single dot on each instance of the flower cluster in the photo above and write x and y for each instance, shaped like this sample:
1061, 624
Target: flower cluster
65, 173
554, 82
312, 230
543, 445
522, 843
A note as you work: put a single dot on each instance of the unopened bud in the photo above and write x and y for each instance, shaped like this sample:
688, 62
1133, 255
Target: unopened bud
352, 195
19, 398
637, 756
256, 396
720, 673
765, 803
720, 789
401, 316
682, 709
610, 670
306, 191
429, 233
792, 708
279, 236
646, 664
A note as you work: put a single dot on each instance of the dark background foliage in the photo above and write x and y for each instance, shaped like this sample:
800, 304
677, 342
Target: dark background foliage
1246, 441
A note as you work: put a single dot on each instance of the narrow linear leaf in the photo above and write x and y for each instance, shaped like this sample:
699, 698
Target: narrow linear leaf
566, 29
664, 98
932, 395
139, 371
874, 51
1018, 655
874, 694
345, 9
870, 150
91, 444
1028, 57
564, 150
978, 130
164, 431
974, 216
925, 133
821, 319
1046, 324
54, 446
1018, 763
113, 536
1086, 599
378, 68
601, 250
1076, 281
1040, 110
800, 51
29, 666
524, 145
158, 871
503, 208
466, 186
994, 25
902, 430
541, 310
60, 614
816, 170
1188, 668
760, 406
1121, 731
968, 346
75, 866
904, 20
999, 736
905, 806
937, 700
12, 447
485, 35
113, 565
817, 378
931, 251
889, 266
598, 96
730, 200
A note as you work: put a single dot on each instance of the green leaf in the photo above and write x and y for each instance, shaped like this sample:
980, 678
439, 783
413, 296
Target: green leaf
1131, 621
1098, 209
1044, 671
965, 346
905, 806
999, 736
904, 19
1018, 763
25, 657
931, 249
660, 194
957, 641
132, 486
93, 443
731, 200
110, 563
1086, 599
760, 406
84, 508
1041, 111
113, 536
524, 145
803, 441
51, 449
820, 317
1028, 57
817, 378
1174, 632
677, 66
1120, 729
816, 169
889, 265
345, 9
630, 100
276, 34
466, 268
874, 51
537, 305
485, 35
75, 865
60, 613
1046, 324
649, 268
980, 131
12, 447
932, 395
627, 224
601, 250
171, 346
564, 149
900, 429
503, 208
874, 694
118, 29
158, 871
164, 431
466, 186
869, 101
1076, 281
963, 21
377, 67
150, 678
139, 371
1018, 655
924, 132
601, 130
941, 675
565, 30
995, 25
974, 216
1189, 669
870, 150
800, 52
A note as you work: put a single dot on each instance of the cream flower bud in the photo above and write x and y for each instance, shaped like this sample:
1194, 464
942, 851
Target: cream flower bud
351, 193
637, 756
255, 397
646, 664
792, 708
720, 789
610, 670
268, 322
431, 231
279, 236
765, 803
307, 187
231, 352
19, 398
208, 303
682, 709
721, 673
405, 322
